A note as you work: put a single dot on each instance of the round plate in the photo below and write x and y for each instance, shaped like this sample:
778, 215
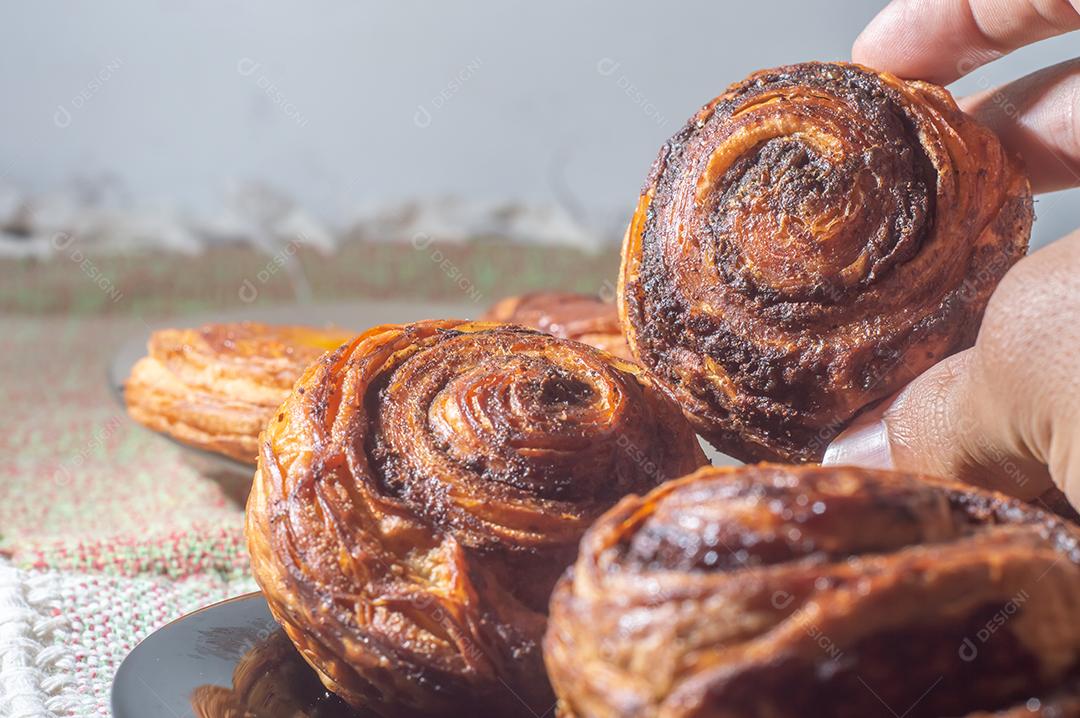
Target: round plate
229, 660
348, 315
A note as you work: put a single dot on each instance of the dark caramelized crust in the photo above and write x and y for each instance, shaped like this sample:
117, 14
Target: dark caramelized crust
215, 387
812, 240
422, 489
787, 591
582, 317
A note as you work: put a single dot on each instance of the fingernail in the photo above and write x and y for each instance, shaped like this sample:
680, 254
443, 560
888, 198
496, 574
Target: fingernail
866, 445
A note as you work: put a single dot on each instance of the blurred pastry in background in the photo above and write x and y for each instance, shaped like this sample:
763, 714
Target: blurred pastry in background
215, 387
582, 317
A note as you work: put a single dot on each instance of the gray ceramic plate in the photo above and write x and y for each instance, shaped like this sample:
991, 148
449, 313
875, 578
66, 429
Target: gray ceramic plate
229, 660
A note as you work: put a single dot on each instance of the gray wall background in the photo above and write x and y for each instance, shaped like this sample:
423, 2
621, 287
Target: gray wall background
352, 103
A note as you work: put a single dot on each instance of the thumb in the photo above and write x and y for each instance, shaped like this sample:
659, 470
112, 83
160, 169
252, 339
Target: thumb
934, 426
1004, 414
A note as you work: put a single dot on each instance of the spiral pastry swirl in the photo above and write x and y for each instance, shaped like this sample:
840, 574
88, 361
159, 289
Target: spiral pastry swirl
420, 492
582, 317
810, 241
783, 591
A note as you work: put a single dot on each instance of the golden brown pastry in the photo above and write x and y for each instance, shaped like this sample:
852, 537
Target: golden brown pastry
809, 242
582, 317
788, 591
420, 492
215, 387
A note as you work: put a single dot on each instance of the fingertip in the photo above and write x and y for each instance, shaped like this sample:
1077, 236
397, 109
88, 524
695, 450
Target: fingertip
1034, 118
922, 40
865, 445
862, 48
868, 46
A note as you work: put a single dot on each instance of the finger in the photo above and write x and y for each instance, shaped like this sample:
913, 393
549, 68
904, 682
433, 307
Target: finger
942, 40
932, 428
863, 442
1004, 414
1035, 117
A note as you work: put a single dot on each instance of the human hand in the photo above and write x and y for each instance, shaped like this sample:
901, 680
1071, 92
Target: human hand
1004, 414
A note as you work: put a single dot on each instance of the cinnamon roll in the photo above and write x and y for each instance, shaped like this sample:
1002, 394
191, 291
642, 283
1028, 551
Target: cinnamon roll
809, 242
785, 591
582, 317
422, 488
215, 387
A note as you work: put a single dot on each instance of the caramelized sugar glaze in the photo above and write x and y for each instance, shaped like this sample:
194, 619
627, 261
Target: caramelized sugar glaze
420, 492
789, 591
810, 241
